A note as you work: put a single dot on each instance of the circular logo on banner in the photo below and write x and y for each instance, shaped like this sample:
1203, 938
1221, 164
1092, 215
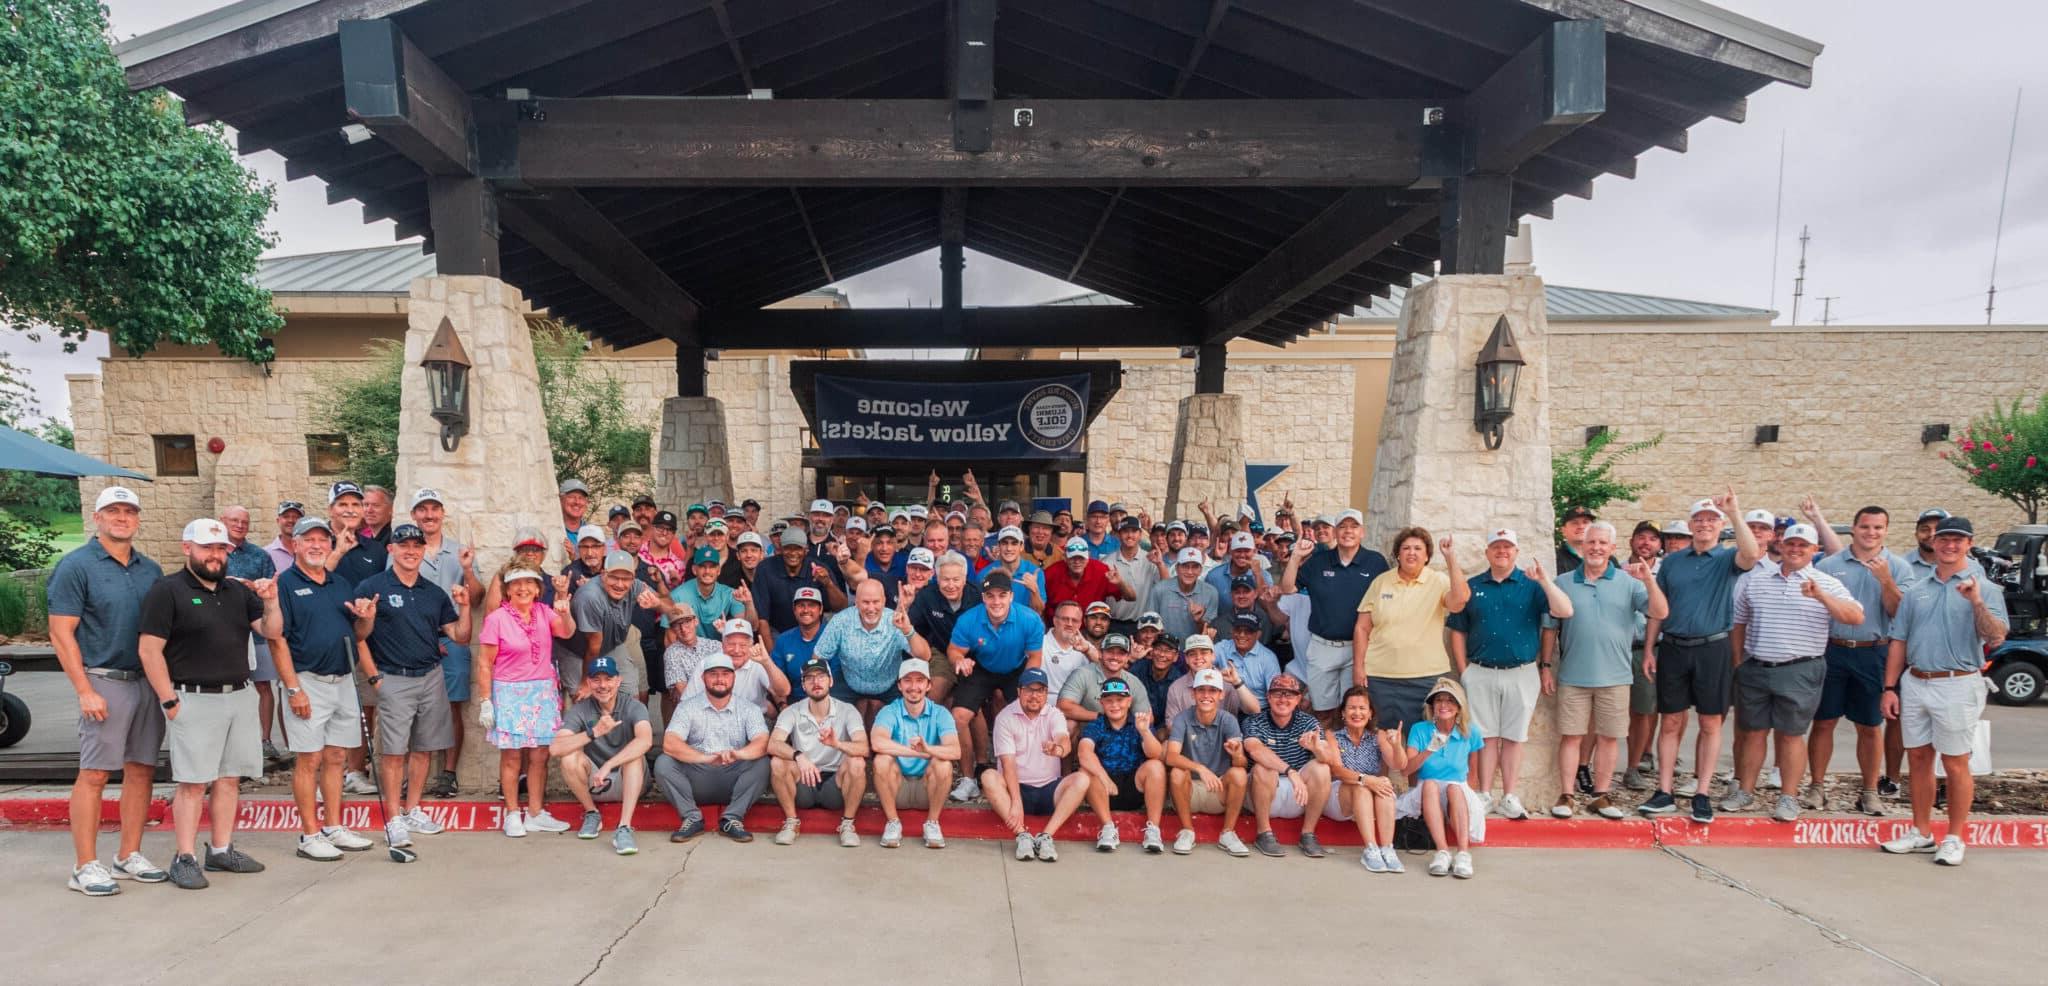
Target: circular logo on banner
1050, 417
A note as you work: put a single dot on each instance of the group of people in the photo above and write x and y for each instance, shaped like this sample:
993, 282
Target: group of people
952, 651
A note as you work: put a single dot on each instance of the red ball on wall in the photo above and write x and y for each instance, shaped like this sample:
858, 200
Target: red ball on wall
215, 445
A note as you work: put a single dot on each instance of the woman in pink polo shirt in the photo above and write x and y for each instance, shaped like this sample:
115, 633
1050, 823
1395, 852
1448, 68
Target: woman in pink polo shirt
522, 706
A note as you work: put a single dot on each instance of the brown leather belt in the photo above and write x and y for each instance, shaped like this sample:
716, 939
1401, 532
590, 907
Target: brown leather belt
1929, 675
1852, 644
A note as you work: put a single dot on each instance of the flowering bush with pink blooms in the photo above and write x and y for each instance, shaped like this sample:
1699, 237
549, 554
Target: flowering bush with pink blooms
2002, 453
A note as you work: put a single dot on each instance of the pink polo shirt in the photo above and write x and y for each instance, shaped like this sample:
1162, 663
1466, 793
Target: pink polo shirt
525, 653
1024, 737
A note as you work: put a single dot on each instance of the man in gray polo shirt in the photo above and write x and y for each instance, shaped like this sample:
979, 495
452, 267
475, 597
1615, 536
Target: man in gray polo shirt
1687, 653
1596, 661
715, 751
1933, 687
1856, 655
602, 747
95, 607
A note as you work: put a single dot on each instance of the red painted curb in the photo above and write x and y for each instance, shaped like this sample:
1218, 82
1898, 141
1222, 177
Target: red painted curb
281, 815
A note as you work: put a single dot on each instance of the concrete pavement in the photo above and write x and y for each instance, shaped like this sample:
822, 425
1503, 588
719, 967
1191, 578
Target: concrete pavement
552, 909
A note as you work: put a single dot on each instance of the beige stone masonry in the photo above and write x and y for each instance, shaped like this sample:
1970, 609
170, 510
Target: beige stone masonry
692, 465
1208, 455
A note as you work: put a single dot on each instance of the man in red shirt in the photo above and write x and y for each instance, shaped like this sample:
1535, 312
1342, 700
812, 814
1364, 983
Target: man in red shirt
1083, 579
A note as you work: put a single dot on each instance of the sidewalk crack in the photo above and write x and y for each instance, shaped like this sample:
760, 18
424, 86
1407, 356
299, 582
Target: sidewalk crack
666, 885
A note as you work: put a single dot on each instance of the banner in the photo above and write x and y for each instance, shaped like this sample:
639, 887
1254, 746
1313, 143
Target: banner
919, 419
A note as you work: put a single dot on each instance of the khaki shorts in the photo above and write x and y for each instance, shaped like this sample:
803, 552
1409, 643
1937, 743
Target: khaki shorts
911, 793
1601, 711
216, 736
336, 719
1203, 801
1503, 699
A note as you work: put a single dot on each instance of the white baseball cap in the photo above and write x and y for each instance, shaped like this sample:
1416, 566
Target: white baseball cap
920, 556
425, 495
1676, 528
751, 538
1503, 534
1188, 556
206, 530
1197, 641
737, 627
116, 494
1705, 507
1011, 533
1243, 539
1760, 516
1208, 678
1349, 514
822, 507
918, 510
911, 666
715, 662
1803, 532
898, 512
1077, 548
856, 523
592, 532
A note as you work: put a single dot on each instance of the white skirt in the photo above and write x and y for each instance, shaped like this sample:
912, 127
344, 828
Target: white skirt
1409, 805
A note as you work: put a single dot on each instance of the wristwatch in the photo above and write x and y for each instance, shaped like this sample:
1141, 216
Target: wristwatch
1891, 688
1545, 665
374, 679
291, 692
170, 703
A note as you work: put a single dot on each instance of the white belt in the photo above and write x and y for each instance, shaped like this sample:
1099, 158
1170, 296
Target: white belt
1327, 642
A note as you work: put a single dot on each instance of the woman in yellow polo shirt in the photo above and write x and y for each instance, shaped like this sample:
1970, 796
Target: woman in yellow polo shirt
1400, 631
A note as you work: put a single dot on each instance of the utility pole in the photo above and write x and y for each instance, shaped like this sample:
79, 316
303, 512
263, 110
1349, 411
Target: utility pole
1998, 232
1826, 304
1799, 281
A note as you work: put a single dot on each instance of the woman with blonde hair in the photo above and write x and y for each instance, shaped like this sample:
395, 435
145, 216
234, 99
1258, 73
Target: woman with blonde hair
520, 700
1360, 755
1441, 746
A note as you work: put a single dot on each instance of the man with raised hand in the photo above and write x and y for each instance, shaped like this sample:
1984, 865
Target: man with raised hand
1030, 741
1497, 640
602, 749
916, 747
820, 748
715, 751
1856, 657
1205, 762
1288, 779
1334, 580
323, 620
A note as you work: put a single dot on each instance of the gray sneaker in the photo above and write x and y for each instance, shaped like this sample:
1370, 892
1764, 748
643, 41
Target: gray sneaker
231, 860
1787, 809
593, 824
185, 872
1738, 800
1311, 846
1269, 844
1869, 803
95, 880
622, 841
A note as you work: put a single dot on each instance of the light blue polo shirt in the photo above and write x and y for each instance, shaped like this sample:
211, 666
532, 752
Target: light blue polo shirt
934, 725
999, 649
1502, 622
1864, 588
1700, 586
1939, 626
1596, 640
720, 606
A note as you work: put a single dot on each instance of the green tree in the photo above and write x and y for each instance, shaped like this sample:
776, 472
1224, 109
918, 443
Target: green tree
2005, 453
594, 437
1585, 477
114, 215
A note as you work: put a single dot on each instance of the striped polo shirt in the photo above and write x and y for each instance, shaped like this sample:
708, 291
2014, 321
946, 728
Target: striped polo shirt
1782, 623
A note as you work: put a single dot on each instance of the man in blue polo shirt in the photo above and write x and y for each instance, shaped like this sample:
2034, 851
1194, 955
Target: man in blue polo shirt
917, 749
1494, 645
990, 645
322, 622
1688, 653
713, 600
1596, 663
404, 656
794, 646
1101, 543
1854, 686
1335, 580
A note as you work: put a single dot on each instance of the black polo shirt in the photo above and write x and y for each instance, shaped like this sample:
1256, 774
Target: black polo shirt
367, 558
317, 626
407, 634
1334, 590
205, 630
933, 618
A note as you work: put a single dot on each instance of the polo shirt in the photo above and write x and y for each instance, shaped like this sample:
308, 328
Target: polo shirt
1596, 643
1221, 576
1865, 589
280, 556
1939, 626
792, 650
802, 730
1335, 589
713, 730
1781, 623
775, 591
597, 612
407, 633
1121, 751
1407, 625
1921, 568
1157, 688
1284, 741
1025, 566
205, 630
1022, 737
1180, 697
898, 569
627, 712
1700, 587
106, 596
1058, 661
867, 657
1451, 763
1141, 575
1085, 686
249, 562
999, 649
1204, 743
1171, 604
1503, 621
1258, 666
1092, 587
1108, 545
367, 558
933, 617
933, 723
443, 565
318, 630
720, 606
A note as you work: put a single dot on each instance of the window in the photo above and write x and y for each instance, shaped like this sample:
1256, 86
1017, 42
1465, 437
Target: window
176, 455
326, 455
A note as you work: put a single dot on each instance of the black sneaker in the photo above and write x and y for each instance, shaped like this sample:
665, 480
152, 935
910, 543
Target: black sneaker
1269, 844
231, 860
1585, 779
1702, 810
732, 829
185, 873
692, 828
1888, 787
443, 785
1659, 804
1940, 795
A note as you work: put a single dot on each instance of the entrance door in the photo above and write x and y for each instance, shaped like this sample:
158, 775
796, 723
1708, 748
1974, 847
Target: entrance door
998, 483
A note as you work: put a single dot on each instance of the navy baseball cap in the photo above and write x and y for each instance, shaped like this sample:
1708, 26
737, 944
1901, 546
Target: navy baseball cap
1243, 582
1098, 507
603, 665
408, 532
1130, 523
1955, 525
1033, 676
1246, 621
618, 510
817, 666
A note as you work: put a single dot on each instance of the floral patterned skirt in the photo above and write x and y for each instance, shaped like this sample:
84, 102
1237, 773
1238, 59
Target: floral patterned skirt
527, 714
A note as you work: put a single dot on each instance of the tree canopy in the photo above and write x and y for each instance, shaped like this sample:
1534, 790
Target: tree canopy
114, 215
1577, 480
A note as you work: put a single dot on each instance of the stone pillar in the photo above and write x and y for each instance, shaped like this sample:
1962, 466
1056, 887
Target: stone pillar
1208, 455
502, 476
1431, 467
693, 465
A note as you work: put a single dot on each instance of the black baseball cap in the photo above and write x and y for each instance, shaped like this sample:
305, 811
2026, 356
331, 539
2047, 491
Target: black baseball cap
750, 502
814, 665
1246, 621
665, 519
1574, 513
1130, 523
644, 500
1243, 582
1647, 525
996, 581
407, 532
1955, 525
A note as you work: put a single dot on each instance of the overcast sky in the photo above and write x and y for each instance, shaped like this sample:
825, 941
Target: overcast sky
1892, 159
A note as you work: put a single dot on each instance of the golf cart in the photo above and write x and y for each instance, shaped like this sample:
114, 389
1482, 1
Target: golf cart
2018, 562
14, 717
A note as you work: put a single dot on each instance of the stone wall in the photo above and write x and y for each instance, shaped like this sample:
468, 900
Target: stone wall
1849, 406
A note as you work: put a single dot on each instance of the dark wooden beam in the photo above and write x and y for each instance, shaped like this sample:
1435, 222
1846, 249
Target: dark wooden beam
952, 257
1349, 233
290, 29
1785, 61
732, 43
971, 66
1475, 222
1217, 9
667, 142
393, 88
902, 328
1552, 87
464, 213
692, 375
573, 233
1209, 359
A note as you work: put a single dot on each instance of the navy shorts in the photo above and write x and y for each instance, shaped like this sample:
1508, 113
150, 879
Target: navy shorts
1694, 677
1855, 685
1038, 800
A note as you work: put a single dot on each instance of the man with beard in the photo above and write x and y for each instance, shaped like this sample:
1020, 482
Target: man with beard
756, 679
776, 582
714, 751
602, 748
820, 749
1334, 579
1080, 697
1095, 623
314, 649
1030, 742
194, 658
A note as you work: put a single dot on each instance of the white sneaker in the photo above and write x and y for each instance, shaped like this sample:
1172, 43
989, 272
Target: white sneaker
396, 835
341, 838
933, 838
1771, 779
515, 824
786, 835
1913, 840
1151, 843
94, 879
357, 782
1392, 858
1047, 852
1230, 843
1688, 788
1486, 803
1026, 847
1511, 808
1440, 864
1184, 842
418, 822
848, 838
541, 821
1107, 839
1950, 853
318, 849
1370, 859
965, 789
1461, 865
136, 867
892, 834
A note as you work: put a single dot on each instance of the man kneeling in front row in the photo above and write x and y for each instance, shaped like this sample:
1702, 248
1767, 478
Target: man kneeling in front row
602, 749
916, 746
820, 753
1030, 740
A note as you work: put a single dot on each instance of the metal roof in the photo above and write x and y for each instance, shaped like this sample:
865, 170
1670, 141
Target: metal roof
1563, 303
376, 270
